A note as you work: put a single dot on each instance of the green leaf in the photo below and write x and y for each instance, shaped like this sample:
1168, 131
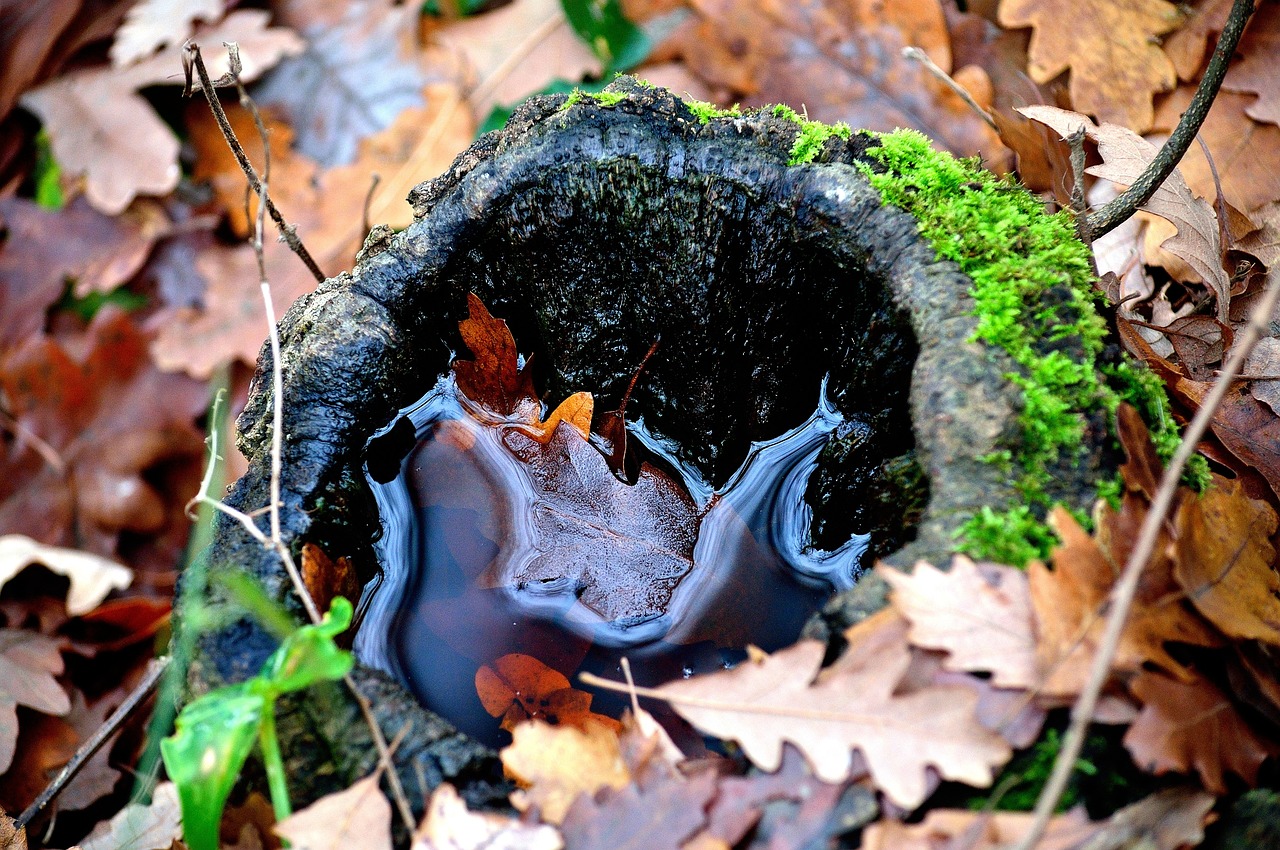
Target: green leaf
620, 44
48, 176
213, 736
309, 655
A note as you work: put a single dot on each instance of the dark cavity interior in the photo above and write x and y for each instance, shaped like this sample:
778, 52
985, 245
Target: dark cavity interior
754, 307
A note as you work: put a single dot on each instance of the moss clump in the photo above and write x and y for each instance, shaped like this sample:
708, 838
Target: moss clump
704, 111
1034, 298
813, 135
609, 98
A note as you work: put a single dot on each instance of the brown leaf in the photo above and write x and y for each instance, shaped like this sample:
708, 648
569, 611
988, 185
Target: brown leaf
28, 664
1264, 360
91, 399
980, 614
450, 825
842, 61
1167, 820
660, 815
360, 816
1200, 342
1110, 47
89, 577
99, 126
1224, 559
154, 826
11, 837
852, 704
1126, 155
944, 829
1189, 47
153, 24
559, 763
1069, 602
1254, 73
326, 578
1247, 428
1142, 469
494, 379
1193, 726
520, 687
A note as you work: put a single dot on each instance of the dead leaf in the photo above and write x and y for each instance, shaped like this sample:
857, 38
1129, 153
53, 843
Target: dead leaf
535, 30
1126, 155
980, 614
1069, 603
520, 687
556, 764
360, 816
326, 578
1200, 342
91, 577
96, 778
1224, 559
450, 825
1110, 48
1254, 73
842, 61
660, 815
124, 463
1190, 46
852, 704
943, 829
100, 127
1167, 820
354, 78
1193, 726
1264, 360
494, 379
153, 24
154, 826
29, 663
11, 838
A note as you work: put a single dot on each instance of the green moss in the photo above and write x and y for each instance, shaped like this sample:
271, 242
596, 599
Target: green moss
704, 111
813, 135
574, 97
1034, 298
609, 98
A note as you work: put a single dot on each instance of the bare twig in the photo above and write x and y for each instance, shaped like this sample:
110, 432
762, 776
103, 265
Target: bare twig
1124, 206
155, 669
918, 55
191, 59
1076, 142
1123, 593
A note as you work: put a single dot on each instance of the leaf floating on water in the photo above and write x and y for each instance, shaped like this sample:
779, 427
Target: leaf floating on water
520, 687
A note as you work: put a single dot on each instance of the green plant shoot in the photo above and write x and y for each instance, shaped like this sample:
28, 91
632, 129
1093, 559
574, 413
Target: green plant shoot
214, 734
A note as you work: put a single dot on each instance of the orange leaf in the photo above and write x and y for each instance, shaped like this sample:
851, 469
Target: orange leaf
520, 687
494, 379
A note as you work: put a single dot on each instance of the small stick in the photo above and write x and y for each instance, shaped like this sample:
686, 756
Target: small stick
1123, 593
155, 669
932, 67
191, 59
1121, 208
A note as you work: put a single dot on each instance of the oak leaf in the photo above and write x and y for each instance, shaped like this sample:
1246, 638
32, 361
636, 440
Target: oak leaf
1108, 45
28, 664
853, 704
1264, 359
520, 687
556, 764
1125, 155
91, 577
359, 816
1224, 560
1193, 726
450, 825
1189, 47
153, 24
153, 826
657, 815
943, 829
1254, 72
980, 614
99, 125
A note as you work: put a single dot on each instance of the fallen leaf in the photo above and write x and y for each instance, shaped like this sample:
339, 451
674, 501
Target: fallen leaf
153, 826
556, 764
1110, 48
326, 578
91, 576
852, 704
1069, 603
29, 663
1253, 73
450, 825
1264, 359
943, 829
122, 462
843, 62
1190, 46
11, 837
360, 816
100, 127
520, 687
1125, 155
153, 24
980, 614
660, 815
538, 32
1224, 559
1201, 341
1193, 726
352, 80
45, 744
96, 778
1167, 820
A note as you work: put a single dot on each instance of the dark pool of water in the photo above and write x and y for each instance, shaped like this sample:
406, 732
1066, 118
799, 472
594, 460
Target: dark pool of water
455, 513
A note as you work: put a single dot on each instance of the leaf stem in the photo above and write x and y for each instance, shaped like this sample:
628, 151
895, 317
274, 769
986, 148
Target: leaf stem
1121, 208
274, 763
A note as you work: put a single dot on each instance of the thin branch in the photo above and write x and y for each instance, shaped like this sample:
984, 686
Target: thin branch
151, 678
1121, 208
1122, 594
191, 59
918, 55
